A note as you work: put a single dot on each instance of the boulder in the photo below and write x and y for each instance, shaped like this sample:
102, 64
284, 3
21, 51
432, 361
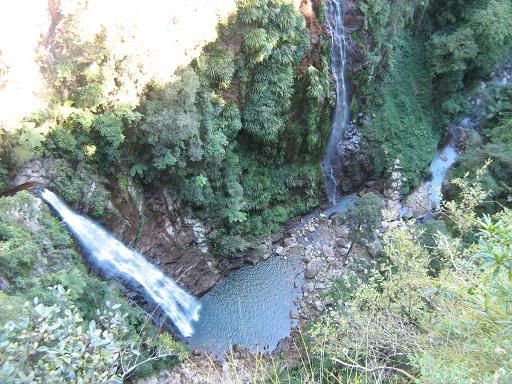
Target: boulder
341, 231
328, 251
279, 250
319, 306
313, 268
375, 248
289, 242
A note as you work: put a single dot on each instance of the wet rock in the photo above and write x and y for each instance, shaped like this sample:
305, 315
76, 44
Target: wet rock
407, 214
313, 268
419, 201
38, 171
443, 157
308, 287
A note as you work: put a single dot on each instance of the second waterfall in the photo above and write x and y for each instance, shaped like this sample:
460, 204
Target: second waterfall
333, 155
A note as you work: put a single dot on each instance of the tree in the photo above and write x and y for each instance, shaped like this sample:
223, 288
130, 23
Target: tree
363, 218
171, 122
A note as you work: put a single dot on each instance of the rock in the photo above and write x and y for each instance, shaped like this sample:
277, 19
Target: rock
375, 248
407, 214
419, 201
318, 305
313, 268
294, 315
290, 242
279, 250
308, 287
328, 251
341, 231
443, 157
341, 243
320, 286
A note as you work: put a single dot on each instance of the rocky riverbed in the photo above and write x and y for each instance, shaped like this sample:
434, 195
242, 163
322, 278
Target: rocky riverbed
322, 245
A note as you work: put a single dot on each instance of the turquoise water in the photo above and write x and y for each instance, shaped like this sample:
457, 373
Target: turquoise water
250, 308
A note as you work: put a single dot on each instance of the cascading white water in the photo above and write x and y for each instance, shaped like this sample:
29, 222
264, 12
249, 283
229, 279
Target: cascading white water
333, 155
115, 259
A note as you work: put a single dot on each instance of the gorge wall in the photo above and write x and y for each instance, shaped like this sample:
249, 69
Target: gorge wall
152, 217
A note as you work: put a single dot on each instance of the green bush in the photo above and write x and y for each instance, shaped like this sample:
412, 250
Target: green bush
53, 344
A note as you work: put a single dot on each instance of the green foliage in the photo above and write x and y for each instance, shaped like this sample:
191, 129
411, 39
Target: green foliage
54, 344
171, 122
79, 69
36, 252
421, 56
273, 45
364, 217
79, 185
387, 20
66, 184
222, 135
403, 124
218, 67
495, 144
406, 323
469, 40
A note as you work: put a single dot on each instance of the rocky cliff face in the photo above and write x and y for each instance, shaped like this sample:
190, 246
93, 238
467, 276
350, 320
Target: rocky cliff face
357, 164
152, 222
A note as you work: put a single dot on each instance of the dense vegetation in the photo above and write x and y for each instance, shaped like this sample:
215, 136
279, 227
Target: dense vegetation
434, 308
237, 137
423, 57
492, 142
48, 314
237, 134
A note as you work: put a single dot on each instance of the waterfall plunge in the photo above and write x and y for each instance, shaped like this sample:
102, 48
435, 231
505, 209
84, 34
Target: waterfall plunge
333, 156
115, 259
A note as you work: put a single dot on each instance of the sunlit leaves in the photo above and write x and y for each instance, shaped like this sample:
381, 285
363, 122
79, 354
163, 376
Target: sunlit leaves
171, 120
218, 66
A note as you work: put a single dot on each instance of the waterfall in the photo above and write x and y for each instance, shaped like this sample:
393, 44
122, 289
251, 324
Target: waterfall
333, 156
114, 259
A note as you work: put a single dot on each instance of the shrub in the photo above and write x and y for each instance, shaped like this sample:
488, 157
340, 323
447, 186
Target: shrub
53, 344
